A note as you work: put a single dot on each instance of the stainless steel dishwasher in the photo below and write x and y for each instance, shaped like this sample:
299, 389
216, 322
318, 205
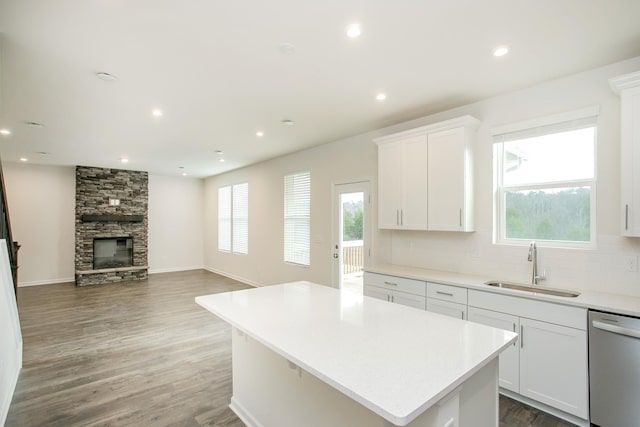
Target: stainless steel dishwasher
614, 370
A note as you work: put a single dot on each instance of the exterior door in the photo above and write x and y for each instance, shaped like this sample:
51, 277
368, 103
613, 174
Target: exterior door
351, 248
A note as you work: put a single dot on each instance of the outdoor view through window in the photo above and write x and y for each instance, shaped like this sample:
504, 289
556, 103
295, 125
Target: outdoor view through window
546, 186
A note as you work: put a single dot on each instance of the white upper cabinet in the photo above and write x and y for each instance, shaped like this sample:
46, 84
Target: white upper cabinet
402, 193
425, 177
628, 86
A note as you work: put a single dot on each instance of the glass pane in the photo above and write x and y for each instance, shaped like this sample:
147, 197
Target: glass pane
352, 216
563, 156
551, 214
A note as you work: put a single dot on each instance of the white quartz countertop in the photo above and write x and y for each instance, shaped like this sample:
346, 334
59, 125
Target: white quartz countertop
395, 360
622, 304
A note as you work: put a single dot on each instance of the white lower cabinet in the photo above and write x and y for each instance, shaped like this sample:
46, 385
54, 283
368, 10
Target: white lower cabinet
451, 309
448, 300
398, 290
510, 358
553, 366
548, 364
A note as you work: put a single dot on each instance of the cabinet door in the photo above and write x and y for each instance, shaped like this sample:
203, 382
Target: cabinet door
451, 309
510, 358
553, 366
413, 215
389, 184
376, 292
446, 170
630, 161
411, 300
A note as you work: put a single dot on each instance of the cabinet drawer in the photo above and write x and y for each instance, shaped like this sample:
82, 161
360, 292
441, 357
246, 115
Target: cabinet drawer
447, 293
410, 286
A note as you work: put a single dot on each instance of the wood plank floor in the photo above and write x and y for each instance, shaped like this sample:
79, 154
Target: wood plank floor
139, 354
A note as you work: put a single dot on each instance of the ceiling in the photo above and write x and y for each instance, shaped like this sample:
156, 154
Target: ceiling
222, 70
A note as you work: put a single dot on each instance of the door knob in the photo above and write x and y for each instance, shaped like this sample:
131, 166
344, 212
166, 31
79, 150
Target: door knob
335, 256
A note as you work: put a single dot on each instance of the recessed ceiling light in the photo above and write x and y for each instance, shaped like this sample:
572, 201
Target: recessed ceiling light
219, 152
287, 48
501, 51
381, 97
259, 134
288, 122
23, 159
184, 174
106, 77
221, 160
124, 160
5, 132
34, 125
354, 30
157, 113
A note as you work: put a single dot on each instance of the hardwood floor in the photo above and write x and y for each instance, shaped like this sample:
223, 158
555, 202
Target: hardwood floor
139, 354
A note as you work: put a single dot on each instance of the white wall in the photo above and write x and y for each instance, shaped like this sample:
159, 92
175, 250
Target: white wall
474, 253
41, 201
176, 220
328, 164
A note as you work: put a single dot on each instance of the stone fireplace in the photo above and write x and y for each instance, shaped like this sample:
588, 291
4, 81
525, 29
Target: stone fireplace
111, 225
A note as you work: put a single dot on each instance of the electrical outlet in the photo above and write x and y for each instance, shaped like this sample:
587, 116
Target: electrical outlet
631, 263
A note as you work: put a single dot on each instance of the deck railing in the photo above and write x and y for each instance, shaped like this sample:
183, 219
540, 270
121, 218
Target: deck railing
352, 256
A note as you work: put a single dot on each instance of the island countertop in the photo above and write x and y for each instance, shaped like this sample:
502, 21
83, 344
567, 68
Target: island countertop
396, 361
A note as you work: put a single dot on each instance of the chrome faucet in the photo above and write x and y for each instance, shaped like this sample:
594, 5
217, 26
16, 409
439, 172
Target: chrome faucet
533, 258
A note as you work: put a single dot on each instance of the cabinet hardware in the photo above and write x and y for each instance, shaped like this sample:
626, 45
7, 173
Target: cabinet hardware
388, 297
390, 283
397, 216
460, 217
521, 336
626, 217
514, 329
462, 315
392, 298
444, 293
401, 216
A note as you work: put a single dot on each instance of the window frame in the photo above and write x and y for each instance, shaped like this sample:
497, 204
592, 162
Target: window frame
500, 190
233, 218
285, 217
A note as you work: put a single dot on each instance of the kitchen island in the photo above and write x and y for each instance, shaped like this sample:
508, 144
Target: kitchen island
309, 355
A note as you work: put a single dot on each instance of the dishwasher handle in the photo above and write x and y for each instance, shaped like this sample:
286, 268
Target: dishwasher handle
616, 329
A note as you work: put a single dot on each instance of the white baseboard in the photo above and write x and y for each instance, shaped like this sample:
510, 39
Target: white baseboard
175, 269
234, 277
46, 282
243, 414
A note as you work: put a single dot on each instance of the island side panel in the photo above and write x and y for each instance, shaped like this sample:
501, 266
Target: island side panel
269, 391
479, 398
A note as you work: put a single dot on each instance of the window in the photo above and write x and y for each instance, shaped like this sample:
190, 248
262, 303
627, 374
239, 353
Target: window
233, 218
297, 217
545, 180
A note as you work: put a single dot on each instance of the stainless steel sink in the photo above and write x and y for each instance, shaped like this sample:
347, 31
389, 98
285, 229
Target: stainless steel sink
533, 289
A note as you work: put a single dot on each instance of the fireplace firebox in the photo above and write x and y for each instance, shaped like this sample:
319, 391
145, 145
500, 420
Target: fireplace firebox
112, 252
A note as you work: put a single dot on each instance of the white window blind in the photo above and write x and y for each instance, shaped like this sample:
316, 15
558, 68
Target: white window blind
297, 218
241, 218
233, 218
224, 218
